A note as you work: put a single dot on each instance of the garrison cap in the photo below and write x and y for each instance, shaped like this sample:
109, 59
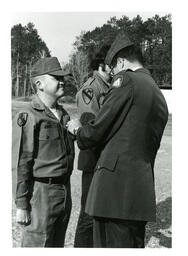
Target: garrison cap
121, 41
48, 65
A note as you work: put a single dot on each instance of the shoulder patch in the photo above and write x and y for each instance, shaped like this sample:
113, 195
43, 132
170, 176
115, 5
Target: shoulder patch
22, 119
118, 82
87, 95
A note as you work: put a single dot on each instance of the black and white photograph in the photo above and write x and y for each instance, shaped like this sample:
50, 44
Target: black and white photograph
91, 129
89, 162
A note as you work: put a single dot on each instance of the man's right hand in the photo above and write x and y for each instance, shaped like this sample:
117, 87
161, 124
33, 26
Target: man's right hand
72, 125
23, 216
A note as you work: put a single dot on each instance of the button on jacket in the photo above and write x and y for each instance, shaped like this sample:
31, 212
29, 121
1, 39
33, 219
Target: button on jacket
129, 128
42, 147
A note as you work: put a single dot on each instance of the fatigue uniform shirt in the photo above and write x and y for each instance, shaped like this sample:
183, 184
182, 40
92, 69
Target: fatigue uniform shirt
130, 126
90, 99
41, 147
91, 95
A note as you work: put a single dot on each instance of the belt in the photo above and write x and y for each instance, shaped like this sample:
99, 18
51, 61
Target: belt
52, 180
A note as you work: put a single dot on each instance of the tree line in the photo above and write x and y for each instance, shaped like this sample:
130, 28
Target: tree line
26, 48
153, 35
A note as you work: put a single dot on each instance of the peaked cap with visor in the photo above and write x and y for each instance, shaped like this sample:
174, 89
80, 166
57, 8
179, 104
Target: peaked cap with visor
121, 41
48, 65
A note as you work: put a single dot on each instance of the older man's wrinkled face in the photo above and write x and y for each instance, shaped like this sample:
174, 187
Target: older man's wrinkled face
53, 86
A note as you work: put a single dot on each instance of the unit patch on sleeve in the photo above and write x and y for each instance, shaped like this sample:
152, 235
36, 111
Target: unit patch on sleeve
87, 95
22, 119
118, 82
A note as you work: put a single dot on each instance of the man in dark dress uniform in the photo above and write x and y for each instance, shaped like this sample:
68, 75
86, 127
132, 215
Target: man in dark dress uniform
43, 155
129, 128
89, 101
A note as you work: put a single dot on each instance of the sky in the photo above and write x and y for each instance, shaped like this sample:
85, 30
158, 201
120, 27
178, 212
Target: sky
59, 29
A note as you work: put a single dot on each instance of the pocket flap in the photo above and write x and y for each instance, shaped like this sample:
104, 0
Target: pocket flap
107, 163
49, 133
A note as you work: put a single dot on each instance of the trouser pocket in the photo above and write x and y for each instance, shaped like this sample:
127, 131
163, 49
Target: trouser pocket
50, 212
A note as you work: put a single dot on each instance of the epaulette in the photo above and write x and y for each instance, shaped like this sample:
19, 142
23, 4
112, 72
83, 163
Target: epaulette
87, 83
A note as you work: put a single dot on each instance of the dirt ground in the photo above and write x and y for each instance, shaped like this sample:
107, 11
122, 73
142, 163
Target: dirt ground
158, 235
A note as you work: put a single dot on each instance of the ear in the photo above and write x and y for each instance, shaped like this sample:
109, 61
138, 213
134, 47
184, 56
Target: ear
124, 62
120, 60
39, 85
99, 68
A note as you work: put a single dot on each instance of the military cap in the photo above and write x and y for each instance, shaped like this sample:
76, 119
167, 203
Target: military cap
48, 65
121, 41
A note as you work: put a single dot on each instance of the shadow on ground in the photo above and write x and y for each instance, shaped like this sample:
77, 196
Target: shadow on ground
162, 228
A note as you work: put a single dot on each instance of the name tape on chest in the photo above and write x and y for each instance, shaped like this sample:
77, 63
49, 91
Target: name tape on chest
87, 95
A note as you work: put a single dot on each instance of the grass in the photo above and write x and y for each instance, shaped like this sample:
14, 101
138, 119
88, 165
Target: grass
158, 235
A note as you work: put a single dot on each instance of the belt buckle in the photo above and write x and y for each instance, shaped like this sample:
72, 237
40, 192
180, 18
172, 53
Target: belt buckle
50, 181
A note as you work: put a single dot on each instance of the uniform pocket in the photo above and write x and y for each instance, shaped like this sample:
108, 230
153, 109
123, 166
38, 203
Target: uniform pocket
108, 164
49, 133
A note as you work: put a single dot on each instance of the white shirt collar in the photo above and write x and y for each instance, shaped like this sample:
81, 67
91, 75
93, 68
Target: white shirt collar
135, 68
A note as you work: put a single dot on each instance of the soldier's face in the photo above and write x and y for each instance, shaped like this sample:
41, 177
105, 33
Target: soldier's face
107, 73
53, 86
118, 66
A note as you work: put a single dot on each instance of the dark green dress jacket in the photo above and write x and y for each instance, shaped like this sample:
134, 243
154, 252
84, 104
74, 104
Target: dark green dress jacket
129, 129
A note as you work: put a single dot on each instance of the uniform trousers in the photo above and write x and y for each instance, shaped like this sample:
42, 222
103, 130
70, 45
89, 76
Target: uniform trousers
118, 233
50, 212
84, 229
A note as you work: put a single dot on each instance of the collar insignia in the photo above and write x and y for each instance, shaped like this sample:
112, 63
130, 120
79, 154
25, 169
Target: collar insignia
118, 82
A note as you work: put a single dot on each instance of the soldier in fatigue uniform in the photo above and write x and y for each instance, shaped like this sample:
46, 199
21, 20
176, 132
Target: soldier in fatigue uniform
43, 155
89, 101
129, 127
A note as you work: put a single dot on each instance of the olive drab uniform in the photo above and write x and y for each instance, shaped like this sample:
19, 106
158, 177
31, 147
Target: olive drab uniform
42, 162
89, 101
130, 125
91, 95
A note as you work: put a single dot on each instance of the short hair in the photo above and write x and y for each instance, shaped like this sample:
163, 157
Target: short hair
98, 60
131, 53
96, 63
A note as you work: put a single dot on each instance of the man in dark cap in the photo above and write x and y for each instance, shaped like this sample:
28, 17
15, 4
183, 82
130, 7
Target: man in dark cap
43, 155
89, 100
129, 129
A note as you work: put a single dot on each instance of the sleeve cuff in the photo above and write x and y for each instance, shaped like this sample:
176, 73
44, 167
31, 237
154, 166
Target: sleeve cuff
79, 140
22, 203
